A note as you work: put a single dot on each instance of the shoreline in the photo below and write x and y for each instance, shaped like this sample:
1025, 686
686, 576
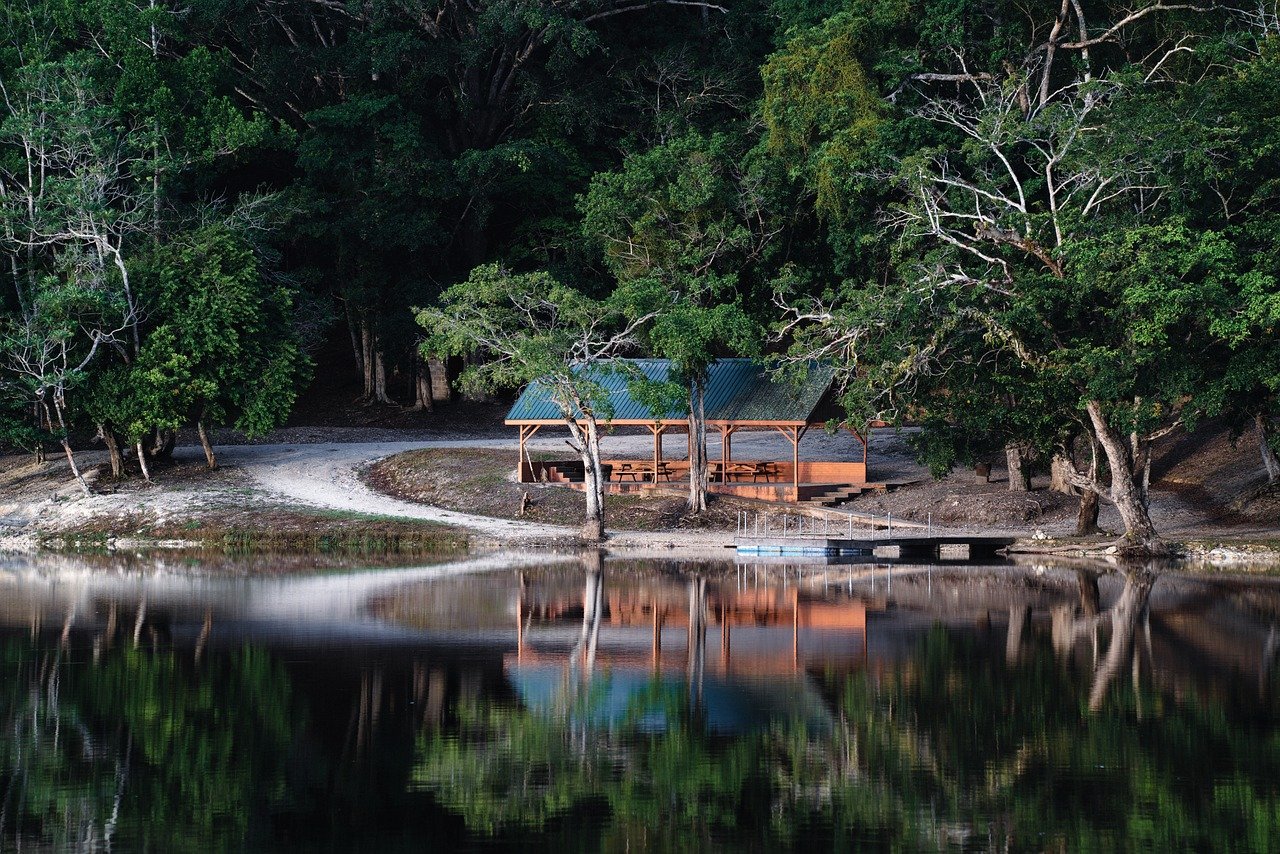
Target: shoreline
315, 499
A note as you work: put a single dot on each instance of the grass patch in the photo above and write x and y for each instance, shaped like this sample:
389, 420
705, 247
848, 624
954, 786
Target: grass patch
478, 480
269, 531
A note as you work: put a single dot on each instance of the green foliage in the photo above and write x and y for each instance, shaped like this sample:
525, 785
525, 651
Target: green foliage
675, 227
527, 327
225, 354
822, 113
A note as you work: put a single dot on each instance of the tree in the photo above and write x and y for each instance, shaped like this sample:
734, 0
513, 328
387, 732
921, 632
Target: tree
529, 328
434, 138
1041, 223
70, 206
679, 223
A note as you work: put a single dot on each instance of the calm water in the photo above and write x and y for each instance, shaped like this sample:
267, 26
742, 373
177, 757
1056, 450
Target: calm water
638, 707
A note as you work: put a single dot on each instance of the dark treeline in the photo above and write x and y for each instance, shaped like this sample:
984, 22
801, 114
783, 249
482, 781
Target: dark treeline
1039, 233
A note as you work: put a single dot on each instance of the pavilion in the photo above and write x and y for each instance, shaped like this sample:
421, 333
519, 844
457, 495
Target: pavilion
741, 395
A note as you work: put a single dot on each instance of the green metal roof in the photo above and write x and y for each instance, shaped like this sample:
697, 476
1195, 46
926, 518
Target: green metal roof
737, 390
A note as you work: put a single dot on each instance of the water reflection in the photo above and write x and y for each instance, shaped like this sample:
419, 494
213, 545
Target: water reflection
603, 705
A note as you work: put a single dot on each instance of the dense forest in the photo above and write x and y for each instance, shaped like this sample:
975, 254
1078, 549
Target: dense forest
1041, 232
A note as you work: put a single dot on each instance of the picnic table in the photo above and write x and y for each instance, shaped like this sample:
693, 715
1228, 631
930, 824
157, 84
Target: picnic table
637, 471
756, 470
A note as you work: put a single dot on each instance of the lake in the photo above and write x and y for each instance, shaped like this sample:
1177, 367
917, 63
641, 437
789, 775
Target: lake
567, 704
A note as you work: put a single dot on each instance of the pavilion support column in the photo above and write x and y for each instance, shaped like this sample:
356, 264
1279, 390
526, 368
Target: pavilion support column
657, 430
726, 439
520, 458
526, 433
795, 463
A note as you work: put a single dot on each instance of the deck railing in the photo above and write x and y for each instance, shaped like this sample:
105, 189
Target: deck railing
827, 525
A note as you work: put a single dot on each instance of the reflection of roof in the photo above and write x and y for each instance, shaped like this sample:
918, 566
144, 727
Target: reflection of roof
729, 705
739, 390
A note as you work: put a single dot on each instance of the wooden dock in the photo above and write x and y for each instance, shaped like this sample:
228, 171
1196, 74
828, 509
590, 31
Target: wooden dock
901, 548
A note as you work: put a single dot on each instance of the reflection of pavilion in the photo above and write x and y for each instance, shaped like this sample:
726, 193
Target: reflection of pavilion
740, 657
764, 631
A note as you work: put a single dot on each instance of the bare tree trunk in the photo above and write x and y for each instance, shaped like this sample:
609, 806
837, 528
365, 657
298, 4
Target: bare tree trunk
1140, 453
75, 469
352, 329
142, 462
1019, 471
66, 445
697, 448
1269, 459
380, 377
163, 443
210, 461
1139, 533
1087, 514
366, 350
114, 454
423, 400
1060, 474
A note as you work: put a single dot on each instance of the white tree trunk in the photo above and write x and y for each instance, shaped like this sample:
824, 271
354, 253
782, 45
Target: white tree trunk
588, 439
380, 377
142, 461
1060, 474
1139, 532
211, 462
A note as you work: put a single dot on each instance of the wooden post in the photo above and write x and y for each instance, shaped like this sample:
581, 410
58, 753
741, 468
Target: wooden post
657, 430
725, 433
520, 459
795, 462
793, 435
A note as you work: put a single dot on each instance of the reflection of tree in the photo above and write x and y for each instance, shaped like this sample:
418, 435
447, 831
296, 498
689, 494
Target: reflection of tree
963, 743
61, 784
510, 769
141, 749
969, 750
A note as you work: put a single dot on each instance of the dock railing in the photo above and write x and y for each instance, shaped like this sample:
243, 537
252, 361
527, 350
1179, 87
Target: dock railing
800, 525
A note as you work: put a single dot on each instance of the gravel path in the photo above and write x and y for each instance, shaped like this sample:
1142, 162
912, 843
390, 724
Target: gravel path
327, 476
